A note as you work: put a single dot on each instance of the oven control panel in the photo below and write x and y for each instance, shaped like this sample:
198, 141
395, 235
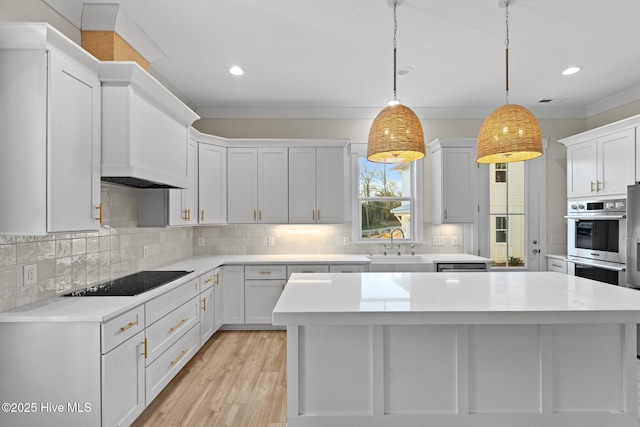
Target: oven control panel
597, 206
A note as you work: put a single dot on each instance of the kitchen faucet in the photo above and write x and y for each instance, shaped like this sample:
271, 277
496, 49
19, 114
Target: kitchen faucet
392, 245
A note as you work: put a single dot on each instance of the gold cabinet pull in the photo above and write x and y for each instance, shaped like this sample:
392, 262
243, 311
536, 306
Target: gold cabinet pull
204, 304
99, 208
177, 359
318, 214
202, 215
254, 215
265, 272
260, 215
307, 271
217, 278
144, 345
179, 324
188, 214
598, 186
446, 214
313, 214
129, 326
207, 280
591, 187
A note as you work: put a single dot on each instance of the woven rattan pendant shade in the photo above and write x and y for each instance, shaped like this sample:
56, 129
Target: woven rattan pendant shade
395, 136
510, 134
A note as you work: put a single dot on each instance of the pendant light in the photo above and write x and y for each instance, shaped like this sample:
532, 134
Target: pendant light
396, 133
511, 132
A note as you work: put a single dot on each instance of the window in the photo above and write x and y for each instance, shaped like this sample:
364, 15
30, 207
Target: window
500, 172
507, 214
386, 199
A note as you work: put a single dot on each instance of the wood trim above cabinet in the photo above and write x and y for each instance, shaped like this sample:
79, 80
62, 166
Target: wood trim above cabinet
109, 46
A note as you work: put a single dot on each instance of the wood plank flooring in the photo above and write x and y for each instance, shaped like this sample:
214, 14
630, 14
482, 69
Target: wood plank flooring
237, 379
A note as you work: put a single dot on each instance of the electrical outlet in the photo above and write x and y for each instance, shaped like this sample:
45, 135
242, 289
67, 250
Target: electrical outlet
271, 241
145, 251
346, 241
455, 241
30, 274
200, 241
438, 241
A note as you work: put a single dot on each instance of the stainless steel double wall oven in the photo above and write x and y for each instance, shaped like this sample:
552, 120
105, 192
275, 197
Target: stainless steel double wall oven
596, 241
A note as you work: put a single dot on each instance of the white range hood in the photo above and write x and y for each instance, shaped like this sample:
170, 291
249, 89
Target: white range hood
145, 129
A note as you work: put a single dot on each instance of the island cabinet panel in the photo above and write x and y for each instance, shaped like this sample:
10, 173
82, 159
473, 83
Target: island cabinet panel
480, 375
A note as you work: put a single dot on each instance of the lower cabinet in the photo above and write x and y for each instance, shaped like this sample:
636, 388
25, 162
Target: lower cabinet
233, 294
210, 304
123, 382
263, 285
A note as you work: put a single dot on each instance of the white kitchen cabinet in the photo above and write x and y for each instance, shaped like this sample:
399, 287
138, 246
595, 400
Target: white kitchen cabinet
556, 263
49, 132
233, 294
257, 185
601, 162
123, 382
263, 285
316, 185
455, 180
347, 268
212, 181
207, 307
218, 314
161, 207
306, 268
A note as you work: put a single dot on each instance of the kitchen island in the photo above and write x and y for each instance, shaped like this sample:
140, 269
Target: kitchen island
459, 349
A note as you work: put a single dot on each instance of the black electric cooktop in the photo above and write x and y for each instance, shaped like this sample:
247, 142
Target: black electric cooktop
133, 284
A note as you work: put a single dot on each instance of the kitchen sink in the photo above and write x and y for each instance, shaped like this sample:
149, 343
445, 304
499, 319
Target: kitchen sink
399, 263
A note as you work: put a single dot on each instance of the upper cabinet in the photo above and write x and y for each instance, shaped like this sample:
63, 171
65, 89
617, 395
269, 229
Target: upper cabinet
49, 133
455, 180
257, 186
144, 129
212, 180
316, 185
602, 161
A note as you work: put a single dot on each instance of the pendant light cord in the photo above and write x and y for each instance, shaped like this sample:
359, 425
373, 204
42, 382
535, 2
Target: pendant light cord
395, 46
506, 44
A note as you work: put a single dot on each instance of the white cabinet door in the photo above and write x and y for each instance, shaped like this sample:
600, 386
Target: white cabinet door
123, 382
242, 185
273, 180
261, 297
455, 180
182, 202
316, 185
49, 133
74, 148
207, 314
212, 184
581, 169
330, 185
218, 319
302, 185
616, 162
233, 294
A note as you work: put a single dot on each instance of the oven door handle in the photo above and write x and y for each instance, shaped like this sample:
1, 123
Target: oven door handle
589, 217
621, 267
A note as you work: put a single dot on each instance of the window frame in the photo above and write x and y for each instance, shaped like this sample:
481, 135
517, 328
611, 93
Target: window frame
416, 200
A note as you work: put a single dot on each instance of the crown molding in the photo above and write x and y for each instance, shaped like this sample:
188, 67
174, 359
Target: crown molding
614, 101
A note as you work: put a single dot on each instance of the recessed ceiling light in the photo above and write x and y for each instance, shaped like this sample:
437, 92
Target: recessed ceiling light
571, 70
236, 71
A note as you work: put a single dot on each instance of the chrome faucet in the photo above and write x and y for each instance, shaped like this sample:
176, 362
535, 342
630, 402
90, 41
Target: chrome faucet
392, 246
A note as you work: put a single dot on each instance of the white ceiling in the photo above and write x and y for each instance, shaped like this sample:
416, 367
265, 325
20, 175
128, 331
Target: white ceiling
334, 57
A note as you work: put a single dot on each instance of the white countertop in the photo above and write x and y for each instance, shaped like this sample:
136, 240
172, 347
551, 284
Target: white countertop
100, 309
453, 298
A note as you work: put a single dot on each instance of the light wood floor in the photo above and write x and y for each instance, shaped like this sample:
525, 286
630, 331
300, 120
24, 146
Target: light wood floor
238, 378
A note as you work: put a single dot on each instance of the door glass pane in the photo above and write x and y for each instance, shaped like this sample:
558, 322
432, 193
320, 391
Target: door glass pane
506, 214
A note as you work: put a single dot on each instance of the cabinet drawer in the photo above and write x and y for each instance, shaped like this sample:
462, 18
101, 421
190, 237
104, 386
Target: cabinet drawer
160, 372
166, 331
118, 330
348, 268
307, 268
557, 265
261, 272
159, 307
206, 281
